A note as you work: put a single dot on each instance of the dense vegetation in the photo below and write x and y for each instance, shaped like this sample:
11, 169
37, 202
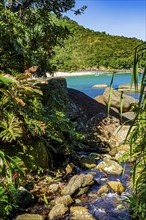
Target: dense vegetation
28, 34
138, 143
86, 49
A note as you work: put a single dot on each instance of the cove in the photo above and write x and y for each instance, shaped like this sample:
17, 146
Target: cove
84, 83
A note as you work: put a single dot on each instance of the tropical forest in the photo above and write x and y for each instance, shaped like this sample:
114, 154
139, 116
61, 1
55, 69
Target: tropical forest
63, 154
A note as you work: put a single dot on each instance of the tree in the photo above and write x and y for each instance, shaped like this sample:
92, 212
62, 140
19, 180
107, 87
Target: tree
29, 30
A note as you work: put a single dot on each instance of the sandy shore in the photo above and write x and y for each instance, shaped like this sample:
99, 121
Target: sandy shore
82, 73
63, 74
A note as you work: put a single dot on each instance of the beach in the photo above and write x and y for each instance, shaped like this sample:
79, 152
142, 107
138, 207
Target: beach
90, 72
63, 74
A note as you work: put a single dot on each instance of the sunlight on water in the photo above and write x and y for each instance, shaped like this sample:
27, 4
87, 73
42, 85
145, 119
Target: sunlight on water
84, 83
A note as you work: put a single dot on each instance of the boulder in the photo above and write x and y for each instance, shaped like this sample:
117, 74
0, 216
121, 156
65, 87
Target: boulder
115, 100
30, 217
102, 128
25, 198
89, 161
99, 86
54, 187
100, 99
103, 189
58, 211
121, 132
103, 124
78, 185
80, 213
129, 115
110, 167
89, 107
116, 186
65, 200
55, 94
128, 88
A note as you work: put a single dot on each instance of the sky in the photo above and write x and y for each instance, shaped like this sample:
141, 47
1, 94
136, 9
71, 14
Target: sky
116, 17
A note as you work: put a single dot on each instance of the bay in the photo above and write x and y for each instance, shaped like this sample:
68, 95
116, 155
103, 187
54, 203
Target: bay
84, 83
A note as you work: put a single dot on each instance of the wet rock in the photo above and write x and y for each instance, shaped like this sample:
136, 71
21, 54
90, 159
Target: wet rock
87, 161
65, 200
121, 150
116, 186
103, 189
25, 198
57, 211
80, 213
78, 184
30, 217
128, 101
110, 167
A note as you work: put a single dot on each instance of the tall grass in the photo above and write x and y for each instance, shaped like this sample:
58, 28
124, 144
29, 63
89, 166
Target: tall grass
138, 141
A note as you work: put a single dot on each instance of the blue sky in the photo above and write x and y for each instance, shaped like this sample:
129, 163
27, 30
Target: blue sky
116, 17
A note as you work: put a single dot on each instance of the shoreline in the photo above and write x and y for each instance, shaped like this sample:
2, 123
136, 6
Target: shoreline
83, 73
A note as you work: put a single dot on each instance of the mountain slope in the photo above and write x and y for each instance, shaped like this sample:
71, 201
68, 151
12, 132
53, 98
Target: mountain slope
86, 49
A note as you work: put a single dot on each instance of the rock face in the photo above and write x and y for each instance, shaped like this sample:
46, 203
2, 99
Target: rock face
102, 128
128, 101
78, 185
55, 94
89, 106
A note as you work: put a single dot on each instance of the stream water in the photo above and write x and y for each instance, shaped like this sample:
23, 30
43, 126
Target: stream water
112, 206
108, 206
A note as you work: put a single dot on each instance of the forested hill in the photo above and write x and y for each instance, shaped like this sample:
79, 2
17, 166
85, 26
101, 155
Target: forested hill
86, 49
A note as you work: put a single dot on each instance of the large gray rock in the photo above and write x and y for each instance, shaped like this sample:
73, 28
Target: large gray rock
115, 100
78, 184
58, 211
102, 128
65, 200
116, 186
110, 167
80, 213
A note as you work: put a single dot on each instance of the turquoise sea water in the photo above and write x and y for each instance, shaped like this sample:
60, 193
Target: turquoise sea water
84, 83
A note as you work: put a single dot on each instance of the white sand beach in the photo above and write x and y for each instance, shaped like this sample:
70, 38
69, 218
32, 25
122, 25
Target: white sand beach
63, 74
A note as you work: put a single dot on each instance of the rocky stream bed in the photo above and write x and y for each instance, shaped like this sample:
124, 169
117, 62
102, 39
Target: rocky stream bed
94, 184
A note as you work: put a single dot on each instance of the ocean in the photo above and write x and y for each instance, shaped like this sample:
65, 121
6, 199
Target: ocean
84, 83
